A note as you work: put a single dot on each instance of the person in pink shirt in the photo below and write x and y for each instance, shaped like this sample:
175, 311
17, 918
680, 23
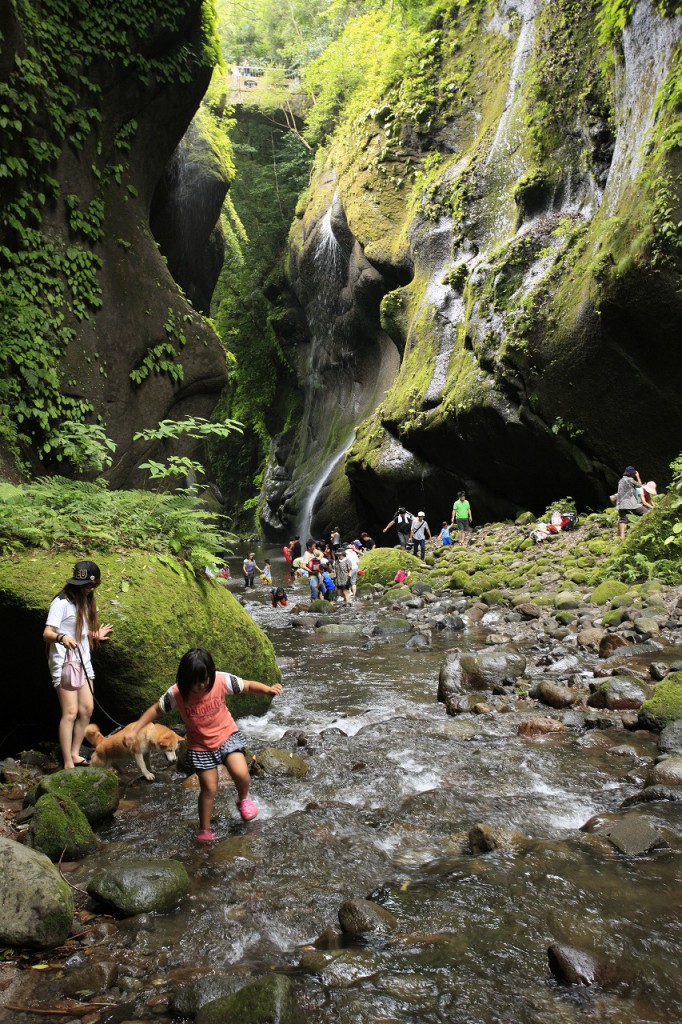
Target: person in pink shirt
212, 734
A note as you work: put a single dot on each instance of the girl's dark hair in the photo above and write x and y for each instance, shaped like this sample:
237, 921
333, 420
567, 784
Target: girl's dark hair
86, 610
195, 666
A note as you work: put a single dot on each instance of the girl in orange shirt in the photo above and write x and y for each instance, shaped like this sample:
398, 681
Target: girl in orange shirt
212, 734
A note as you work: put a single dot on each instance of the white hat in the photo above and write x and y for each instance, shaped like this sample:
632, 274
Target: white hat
420, 515
650, 488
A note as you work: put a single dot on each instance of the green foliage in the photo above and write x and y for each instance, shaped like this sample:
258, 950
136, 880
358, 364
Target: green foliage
50, 102
613, 18
85, 445
61, 515
193, 427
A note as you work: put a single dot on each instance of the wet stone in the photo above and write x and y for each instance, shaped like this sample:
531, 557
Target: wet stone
282, 763
534, 727
363, 917
650, 794
554, 694
97, 977
189, 999
574, 966
658, 670
269, 1000
619, 693
670, 740
634, 836
667, 772
137, 886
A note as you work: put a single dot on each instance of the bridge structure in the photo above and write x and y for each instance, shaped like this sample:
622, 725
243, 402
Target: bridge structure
254, 86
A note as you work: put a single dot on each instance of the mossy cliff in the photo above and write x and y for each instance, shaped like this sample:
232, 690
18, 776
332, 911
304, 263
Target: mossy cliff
157, 611
94, 99
488, 260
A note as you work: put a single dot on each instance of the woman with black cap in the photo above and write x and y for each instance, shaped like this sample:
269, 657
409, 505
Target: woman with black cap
627, 499
71, 623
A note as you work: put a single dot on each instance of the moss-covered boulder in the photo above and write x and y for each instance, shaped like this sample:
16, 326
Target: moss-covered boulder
267, 1001
140, 887
94, 790
619, 693
158, 610
36, 905
607, 590
381, 564
60, 829
478, 584
665, 706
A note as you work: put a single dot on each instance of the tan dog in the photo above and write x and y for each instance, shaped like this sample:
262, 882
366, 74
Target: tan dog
151, 739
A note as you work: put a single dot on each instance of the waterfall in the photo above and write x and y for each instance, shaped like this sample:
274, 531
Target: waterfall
305, 521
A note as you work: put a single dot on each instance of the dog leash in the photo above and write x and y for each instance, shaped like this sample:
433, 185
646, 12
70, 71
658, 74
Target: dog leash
117, 724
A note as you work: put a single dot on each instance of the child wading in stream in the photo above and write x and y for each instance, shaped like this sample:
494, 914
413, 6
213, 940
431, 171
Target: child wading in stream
212, 735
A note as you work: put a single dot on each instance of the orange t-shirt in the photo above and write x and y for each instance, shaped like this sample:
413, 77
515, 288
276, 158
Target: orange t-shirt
206, 717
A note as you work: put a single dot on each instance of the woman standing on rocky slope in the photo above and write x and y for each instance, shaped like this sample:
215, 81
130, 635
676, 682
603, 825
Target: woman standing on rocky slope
73, 614
627, 499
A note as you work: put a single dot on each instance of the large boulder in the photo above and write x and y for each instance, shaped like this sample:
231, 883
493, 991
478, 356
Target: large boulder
381, 564
158, 612
140, 887
282, 763
481, 670
94, 790
36, 905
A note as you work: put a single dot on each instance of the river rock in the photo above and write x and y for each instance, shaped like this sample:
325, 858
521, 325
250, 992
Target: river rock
36, 905
363, 917
460, 704
59, 829
665, 706
485, 838
282, 764
529, 610
481, 670
618, 693
666, 773
567, 600
139, 886
267, 1001
554, 694
534, 727
612, 642
590, 638
189, 999
449, 678
646, 626
653, 793
336, 629
94, 790
90, 977
634, 836
417, 641
670, 740
607, 590
573, 966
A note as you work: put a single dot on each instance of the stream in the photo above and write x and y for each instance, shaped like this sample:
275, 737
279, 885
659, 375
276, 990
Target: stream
392, 785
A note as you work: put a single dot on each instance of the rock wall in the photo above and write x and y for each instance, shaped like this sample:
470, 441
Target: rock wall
104, 96
508, 320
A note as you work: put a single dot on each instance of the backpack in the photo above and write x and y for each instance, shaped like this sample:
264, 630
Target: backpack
569, 520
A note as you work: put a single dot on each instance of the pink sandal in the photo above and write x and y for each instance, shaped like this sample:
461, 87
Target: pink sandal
247, 808
205, 836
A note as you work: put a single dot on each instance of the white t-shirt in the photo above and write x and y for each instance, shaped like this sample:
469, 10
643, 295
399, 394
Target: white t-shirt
62, 617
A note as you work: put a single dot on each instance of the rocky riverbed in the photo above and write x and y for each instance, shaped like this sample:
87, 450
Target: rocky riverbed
471, 810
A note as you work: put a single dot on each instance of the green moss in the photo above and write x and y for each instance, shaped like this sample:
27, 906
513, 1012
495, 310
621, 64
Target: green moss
381, 564
493, 597
266, 1001
666, 704
613, 617
478, 584
607, 590
94, 791
158, 612
564, 617
59, 829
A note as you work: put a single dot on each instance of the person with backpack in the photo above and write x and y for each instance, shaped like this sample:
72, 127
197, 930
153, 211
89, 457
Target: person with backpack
72, 623
402, 520
418, 534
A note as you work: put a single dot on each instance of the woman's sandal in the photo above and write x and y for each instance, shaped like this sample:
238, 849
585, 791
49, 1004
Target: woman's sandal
83, 763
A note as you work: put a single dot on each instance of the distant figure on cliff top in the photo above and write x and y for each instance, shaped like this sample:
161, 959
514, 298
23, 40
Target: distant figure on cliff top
627, 499
402, 520
461, 516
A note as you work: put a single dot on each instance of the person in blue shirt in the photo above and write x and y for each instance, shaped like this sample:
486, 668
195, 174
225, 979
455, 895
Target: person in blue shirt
444, 535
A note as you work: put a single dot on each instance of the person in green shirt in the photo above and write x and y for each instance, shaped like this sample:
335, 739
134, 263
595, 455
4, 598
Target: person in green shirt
461, 515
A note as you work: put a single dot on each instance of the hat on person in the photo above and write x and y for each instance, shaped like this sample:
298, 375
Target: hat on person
357, 543
420, 515
84, 573
650, 488
629, 471
401, 508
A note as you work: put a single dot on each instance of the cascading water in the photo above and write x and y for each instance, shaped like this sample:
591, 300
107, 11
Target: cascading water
305, 523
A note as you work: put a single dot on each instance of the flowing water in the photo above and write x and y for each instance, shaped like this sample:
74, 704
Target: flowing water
392, 783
